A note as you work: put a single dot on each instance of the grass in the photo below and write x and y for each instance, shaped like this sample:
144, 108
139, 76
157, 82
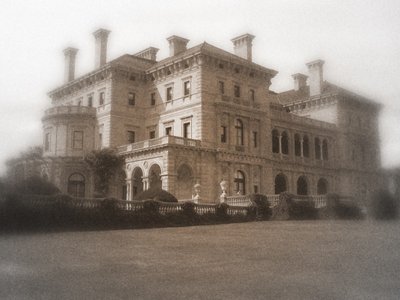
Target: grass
258, 260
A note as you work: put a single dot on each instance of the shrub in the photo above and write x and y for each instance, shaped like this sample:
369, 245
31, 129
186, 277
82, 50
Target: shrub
150, 207
221, 211
188, 209
384, 206
37, 186
300, 208
263, 211
156, 193
339, 209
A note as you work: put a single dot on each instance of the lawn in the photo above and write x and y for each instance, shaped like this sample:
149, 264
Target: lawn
257, 260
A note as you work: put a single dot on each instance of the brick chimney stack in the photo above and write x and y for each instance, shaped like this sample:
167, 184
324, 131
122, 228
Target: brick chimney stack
69, 70
316, 72
242, 46
101, 36
177, 45
300, 81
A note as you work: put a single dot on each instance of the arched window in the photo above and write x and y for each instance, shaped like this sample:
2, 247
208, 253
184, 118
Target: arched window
285, 143
137, 181
325, 150
155, 176
322, 186
280, 184
275, 141
302, 186
240, 183
306, 146
239, 132
297, 145
76, 185
317, 144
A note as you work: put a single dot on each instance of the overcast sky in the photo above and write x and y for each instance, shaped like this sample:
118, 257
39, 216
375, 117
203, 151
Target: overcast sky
359, 41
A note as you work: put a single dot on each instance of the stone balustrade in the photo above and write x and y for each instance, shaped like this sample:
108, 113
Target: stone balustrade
69, 110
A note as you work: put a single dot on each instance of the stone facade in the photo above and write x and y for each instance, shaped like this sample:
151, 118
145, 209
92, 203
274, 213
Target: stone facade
204, 115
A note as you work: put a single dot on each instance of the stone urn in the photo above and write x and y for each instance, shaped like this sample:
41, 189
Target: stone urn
224, 186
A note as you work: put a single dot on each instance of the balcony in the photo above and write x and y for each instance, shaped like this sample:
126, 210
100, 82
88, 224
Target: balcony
67, 110
164, 140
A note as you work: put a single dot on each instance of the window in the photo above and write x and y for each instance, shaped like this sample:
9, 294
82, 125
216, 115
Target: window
322, 186
306, 146
236, 91
153, 99
317, 144
297, 145
170, 93
275, 141
239, 132
152, 134
90, 100
168, 130
76, 185
240, 183
77, 140
325, 150
285, 143
47, 142
252, 95
302, 186
101, 98
186, 130
131, 136
223, 134
255, 139
131, 98
186, 88
280, 184
221, 87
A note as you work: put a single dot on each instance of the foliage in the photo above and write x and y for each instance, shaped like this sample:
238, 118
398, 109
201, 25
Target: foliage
300, 207
263, 211
156, 193
384, 206
37, 186
221, 211
104, 164
188, 209
338, 209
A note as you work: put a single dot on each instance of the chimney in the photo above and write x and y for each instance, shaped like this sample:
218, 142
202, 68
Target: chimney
300, 81
148, 53
242, 46
101, 36
176, 45
315, 70
69, 71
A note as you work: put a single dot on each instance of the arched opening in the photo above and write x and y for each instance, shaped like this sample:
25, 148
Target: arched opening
325, 150
155, 176
302, 186
76, 185
239, 132
317, 144
275, 141
297, 145
240, 183
184, 183
137, 181
280, 184
285, 143
322, 186
306, 146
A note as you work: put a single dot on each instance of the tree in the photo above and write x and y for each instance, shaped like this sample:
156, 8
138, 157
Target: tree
104, 164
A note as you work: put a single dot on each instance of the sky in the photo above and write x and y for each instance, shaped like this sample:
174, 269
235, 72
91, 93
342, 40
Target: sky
358, 40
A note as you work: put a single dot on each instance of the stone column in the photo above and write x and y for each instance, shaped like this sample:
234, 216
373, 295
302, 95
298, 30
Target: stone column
280, 144
301, 148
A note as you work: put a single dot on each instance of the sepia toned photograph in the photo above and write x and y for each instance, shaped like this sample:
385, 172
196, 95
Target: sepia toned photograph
199, 149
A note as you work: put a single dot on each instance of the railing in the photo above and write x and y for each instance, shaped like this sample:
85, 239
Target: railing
319, 201
202, 209
273, 200
164, 140
69, 110
239, 200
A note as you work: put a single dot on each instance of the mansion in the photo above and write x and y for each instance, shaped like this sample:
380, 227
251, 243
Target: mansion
204, 115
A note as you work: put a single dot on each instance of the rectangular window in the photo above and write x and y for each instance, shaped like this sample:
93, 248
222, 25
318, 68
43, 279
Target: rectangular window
186, 130
255, 139
131, 136
152, 134
256, 189
236, 90
221, 87
168, 130
90, 100
77, 140
223, 134
170, 93
153, 99
101, 98
47, 142
186, 88
252, 95
131, 98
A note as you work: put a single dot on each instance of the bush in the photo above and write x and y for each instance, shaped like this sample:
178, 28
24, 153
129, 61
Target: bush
156, 193
150, 207
36, 185
384, 206
188, 209
221, 211
263, 211
338, 209
300, 207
